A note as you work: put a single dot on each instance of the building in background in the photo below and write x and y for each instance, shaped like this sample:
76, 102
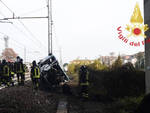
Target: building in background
138, 60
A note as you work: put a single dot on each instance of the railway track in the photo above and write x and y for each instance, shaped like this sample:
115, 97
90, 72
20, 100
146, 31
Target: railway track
62, 106
59, 103
27, 78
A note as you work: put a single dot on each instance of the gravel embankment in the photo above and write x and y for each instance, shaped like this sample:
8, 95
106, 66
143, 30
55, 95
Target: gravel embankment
77, 105
22, 99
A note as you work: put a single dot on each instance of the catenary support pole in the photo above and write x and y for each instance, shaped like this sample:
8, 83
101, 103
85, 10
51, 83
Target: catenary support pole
50, 23
147, 46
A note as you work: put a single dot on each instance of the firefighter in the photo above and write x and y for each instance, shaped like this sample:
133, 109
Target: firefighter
0, 72
23, 72
83, 81
20, 71
5, 73
35, 75
11, 66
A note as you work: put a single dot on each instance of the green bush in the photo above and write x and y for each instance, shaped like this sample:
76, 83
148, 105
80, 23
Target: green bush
121, 82
124, 105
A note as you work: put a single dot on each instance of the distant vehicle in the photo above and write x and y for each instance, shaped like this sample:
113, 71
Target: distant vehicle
51, 72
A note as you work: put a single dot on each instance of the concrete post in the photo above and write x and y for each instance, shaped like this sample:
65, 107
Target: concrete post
147, 45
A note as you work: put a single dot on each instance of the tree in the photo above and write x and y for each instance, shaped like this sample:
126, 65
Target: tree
97, 65
9, 54
128, 67
71, 68
118, 63
140, 61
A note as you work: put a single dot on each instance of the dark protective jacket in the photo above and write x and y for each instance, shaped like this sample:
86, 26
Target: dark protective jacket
83, 77
5, 70
1, 69
12, 70
19, 67
35, 72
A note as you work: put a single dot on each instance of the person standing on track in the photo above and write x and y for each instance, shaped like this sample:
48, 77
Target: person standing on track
20, 71
11, 66
0, 72
23, 72
5, 73
35, 75
83, 81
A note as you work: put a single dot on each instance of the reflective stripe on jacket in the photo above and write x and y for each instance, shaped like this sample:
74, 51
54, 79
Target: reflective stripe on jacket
20, 68
84, 84
12, 73
6, 70
36, 73
85, 80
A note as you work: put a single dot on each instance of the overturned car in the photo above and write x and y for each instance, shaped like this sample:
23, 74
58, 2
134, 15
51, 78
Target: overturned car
51, 72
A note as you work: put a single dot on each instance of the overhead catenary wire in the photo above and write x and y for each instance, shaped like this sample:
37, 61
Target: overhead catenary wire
6, 6
17, 27
31, 34
18, 43
19, 46
27, 29
4, 16
19, 30
23, 48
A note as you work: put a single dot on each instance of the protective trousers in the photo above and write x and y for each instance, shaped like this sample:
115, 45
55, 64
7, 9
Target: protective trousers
84, 91
6, 80
36, 83
20, 78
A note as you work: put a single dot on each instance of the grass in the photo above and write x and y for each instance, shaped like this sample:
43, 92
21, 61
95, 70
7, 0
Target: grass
124, 105
99, 101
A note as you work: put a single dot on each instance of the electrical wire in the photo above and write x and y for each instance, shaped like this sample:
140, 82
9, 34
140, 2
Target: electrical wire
25, 28
12, 39
17, 29
18, 44
4, 17
32, 34
23, 24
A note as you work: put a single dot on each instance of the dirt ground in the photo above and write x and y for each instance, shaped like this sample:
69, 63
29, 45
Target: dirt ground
78, 105
22, 99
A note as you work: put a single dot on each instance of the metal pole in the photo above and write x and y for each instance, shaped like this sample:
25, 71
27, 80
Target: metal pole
51, 23
147, 46
48, 26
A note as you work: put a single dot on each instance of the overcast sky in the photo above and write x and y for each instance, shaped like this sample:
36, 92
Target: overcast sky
82, 28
